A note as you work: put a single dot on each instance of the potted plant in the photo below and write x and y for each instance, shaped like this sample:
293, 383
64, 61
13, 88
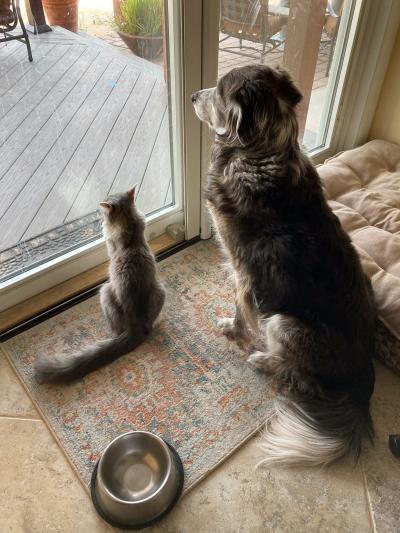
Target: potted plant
62, 13
140, 26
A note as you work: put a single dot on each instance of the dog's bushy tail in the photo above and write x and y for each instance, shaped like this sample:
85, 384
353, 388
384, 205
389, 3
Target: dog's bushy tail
314, 432
73, 366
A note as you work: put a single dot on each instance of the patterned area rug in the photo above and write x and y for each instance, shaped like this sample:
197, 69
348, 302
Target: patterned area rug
187, 383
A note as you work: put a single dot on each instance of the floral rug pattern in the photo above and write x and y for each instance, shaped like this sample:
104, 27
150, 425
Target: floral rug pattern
187, 383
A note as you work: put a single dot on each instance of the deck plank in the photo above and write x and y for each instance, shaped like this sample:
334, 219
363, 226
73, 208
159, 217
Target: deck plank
121, 54
18, 218
153, 189
9, 58
76, 171
72, 133
8, 48
21, 86
38, 117
14, 179
15, 68
133, 166
101, 177
32, 99
56, 37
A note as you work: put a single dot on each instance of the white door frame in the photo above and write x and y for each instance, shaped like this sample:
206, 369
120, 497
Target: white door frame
191, 60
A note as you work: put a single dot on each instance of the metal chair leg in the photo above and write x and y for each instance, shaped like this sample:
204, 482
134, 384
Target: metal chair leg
24, 32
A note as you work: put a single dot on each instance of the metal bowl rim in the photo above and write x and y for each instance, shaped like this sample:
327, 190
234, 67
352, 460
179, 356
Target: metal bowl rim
106, 518
166, 477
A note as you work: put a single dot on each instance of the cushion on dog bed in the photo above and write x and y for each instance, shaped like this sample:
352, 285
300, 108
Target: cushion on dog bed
363, 189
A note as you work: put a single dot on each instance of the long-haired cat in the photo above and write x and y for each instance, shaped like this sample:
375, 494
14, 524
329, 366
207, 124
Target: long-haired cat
131, 300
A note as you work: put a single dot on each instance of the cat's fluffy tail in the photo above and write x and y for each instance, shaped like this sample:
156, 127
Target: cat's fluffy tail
314, 433
70, 367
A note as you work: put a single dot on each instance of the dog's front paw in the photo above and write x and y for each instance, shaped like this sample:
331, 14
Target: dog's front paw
227, 326
233, 331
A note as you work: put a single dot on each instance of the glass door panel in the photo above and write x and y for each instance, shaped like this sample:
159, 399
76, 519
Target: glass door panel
93, 114
307, 37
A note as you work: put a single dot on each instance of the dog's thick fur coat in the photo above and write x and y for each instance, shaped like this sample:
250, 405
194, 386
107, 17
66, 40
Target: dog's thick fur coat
296, 271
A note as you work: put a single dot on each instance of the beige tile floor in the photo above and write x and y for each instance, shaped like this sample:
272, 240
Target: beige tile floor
40, 493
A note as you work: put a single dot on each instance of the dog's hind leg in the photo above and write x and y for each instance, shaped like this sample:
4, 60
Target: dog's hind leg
270, 360
291, 352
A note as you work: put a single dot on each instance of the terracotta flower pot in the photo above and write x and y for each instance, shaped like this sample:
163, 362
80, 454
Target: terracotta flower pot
146, 47
62, 13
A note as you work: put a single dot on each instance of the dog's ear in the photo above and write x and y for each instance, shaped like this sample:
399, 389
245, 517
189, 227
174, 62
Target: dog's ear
287, 90
233, 120
239, 113
251, 103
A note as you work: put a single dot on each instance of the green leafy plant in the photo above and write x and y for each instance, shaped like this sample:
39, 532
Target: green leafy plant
141, 17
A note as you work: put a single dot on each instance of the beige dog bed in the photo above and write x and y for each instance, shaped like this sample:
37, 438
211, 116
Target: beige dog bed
363, 189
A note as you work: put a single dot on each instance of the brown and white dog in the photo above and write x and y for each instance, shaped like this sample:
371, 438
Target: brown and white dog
296, 271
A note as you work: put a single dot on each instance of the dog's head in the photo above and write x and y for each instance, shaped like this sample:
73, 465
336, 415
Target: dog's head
248, 104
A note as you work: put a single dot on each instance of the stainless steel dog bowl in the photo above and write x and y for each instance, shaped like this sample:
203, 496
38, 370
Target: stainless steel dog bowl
137, 480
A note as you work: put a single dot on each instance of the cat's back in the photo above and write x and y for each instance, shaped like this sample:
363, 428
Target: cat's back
138, 261
133, 275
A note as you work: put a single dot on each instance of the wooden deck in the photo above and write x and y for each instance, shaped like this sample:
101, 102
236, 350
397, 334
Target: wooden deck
84, 119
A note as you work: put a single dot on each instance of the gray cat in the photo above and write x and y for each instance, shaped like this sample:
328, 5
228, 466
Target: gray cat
131, 301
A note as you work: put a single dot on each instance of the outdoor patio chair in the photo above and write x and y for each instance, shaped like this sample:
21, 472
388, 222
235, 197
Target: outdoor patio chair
251, 21
10, 16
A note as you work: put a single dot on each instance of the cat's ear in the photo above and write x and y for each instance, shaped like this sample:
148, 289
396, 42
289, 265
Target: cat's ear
132, 194
106, 207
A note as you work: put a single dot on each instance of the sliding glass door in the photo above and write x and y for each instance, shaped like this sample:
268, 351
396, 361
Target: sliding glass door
309, 38
102, 110
88, 118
